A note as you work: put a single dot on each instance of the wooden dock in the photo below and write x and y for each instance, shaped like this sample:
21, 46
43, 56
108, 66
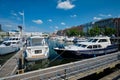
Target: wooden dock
10, 67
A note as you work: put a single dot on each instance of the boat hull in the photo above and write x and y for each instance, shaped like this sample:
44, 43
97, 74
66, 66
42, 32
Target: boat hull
31, 56
8, 50
68, 53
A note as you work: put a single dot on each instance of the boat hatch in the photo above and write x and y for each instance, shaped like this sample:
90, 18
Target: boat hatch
38, 51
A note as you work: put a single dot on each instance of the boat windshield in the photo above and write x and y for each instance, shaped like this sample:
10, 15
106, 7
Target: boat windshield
90, 40
7, 43
37, 41
94, 40
13, 42
81, 45
78, 45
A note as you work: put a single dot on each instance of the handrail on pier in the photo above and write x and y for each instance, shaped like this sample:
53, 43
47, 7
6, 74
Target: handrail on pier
73, 70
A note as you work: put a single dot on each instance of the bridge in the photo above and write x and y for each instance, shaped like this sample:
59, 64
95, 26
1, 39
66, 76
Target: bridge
71, 71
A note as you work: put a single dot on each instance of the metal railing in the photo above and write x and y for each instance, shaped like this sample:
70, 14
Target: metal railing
68, 70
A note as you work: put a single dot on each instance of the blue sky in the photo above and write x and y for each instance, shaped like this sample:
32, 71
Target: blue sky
52, 15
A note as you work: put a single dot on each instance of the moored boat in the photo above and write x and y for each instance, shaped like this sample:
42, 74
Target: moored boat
69, 39
37, 49
11, 45
93, 47
79, 40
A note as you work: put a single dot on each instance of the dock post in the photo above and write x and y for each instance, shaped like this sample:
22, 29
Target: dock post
21, 65
118, 56
65, 77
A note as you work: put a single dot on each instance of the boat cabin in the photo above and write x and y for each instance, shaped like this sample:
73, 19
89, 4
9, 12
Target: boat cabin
36, 41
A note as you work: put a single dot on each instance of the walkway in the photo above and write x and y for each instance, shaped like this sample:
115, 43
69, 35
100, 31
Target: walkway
10, 67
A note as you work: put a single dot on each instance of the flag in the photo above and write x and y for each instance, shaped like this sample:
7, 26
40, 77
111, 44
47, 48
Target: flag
20, 27
21, 13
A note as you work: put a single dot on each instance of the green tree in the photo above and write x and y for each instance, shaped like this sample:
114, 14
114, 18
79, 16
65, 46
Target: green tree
94, 31
109, 31
74, 32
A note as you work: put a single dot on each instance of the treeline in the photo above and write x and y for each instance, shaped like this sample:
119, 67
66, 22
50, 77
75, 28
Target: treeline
95, 30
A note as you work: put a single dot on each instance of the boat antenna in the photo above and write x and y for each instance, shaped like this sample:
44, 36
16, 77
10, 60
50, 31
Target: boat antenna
23, 20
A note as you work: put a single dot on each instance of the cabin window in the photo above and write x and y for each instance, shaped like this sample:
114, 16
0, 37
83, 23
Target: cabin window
7, 43
99, 46
13, 42
10, 39
103, 40
90, 47
17, 39
78, 45
36, 42
83, 46
94, 40
94, 46
14, 39
38, 51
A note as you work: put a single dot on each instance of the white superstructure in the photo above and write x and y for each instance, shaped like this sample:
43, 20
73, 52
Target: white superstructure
37, 48
11, 45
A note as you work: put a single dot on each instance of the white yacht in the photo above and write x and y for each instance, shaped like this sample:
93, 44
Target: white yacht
60, 38
93, 47
11, 45
79, 40
37, 49
69, 39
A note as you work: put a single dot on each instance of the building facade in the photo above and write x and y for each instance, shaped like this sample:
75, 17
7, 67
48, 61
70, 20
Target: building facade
110, 22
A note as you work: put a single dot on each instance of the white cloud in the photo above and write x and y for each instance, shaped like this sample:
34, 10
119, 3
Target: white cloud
8, 25
65, 5
109, 15
104, 15
56, 27
14, 14
50, 20
62, 23
37, 21
73, 16
97, 18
